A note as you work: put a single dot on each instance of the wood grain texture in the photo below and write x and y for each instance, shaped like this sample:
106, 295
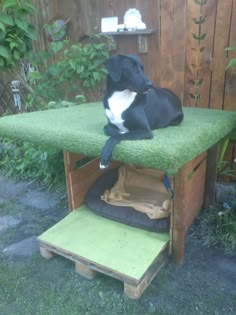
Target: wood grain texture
189, 196
222, 27
166, 43
170, 50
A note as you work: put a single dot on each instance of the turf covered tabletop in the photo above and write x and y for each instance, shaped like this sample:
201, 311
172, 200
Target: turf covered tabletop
79, 129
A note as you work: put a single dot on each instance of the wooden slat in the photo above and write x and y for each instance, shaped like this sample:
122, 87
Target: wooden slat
218, 64
78, 188
167, 52
151, 59
189, 195
69, 165
166, 43
209, 10
211, 176
179, 33
230, 78
190, 55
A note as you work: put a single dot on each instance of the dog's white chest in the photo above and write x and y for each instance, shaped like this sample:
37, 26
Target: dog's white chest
118, 103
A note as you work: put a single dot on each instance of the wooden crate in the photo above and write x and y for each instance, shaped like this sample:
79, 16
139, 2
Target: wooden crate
193, 185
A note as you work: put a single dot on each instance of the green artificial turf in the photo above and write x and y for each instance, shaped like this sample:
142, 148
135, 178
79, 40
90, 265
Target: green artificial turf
79, 129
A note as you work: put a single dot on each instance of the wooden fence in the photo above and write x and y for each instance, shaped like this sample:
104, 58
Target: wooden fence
185, 52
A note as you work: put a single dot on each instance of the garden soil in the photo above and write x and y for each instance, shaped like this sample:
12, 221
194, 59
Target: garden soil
30, 284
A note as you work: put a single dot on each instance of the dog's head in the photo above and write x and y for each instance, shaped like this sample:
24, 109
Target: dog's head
126, 71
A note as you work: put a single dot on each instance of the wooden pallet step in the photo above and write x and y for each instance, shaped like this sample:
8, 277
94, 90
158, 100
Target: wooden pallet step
132, 288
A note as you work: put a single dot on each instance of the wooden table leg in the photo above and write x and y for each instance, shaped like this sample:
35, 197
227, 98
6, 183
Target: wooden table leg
211, 175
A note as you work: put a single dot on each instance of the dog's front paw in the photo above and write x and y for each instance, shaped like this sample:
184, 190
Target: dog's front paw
103, 166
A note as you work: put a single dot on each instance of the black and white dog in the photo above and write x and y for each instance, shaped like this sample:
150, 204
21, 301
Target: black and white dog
133, 106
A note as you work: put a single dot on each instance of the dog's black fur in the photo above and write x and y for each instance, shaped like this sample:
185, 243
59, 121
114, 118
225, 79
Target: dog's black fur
133, 106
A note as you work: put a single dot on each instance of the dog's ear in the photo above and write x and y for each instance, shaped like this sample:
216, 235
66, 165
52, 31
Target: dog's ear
135, 58
114, 67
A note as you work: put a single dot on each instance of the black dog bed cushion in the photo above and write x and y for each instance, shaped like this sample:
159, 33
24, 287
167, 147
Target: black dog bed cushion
126, 215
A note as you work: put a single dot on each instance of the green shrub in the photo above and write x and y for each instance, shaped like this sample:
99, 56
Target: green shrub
73, 69
24, 161
16, 32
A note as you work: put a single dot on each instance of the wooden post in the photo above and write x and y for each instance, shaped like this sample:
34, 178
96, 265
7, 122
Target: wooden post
211, 175
84, 270
189, 186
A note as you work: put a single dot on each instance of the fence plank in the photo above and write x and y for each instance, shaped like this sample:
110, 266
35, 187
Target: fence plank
179, 33
230, 78
170, 58
166, 43
209, 10
219, 55
151, 59
190, 54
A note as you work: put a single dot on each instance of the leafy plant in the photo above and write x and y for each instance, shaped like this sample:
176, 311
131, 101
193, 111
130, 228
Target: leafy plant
198, 50
223, 168
73, 69
16, 32
232, 61
216, 226
22, 160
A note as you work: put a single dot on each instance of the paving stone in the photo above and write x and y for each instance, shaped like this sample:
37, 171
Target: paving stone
40, 199
26, 247
7, 222
11, 189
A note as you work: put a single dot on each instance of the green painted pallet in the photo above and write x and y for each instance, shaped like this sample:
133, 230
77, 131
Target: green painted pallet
100, 242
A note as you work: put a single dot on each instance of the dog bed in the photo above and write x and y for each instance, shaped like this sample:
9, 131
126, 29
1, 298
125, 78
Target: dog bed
123, 214
79, 129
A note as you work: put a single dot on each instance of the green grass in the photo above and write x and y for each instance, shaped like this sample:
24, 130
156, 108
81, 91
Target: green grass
51, 287
36, 286
40, 287
216, 226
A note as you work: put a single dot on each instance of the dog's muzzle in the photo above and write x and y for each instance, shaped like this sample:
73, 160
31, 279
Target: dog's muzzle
148, 85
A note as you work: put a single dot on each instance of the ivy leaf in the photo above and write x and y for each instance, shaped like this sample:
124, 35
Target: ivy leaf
192, 96
2, 36
2, 63
2, 27
16, 54
53, 70
230, 48
6, 19
200, 2
31, 33
200, 81
29, 8
56, 46
231, 63
73, 65
13, 45
201, 20
199, 37
202, 49
23, 24
9, 4
4, 52
192, 81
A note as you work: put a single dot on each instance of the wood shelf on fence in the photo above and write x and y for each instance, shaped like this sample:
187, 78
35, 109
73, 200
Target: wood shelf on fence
141, 38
